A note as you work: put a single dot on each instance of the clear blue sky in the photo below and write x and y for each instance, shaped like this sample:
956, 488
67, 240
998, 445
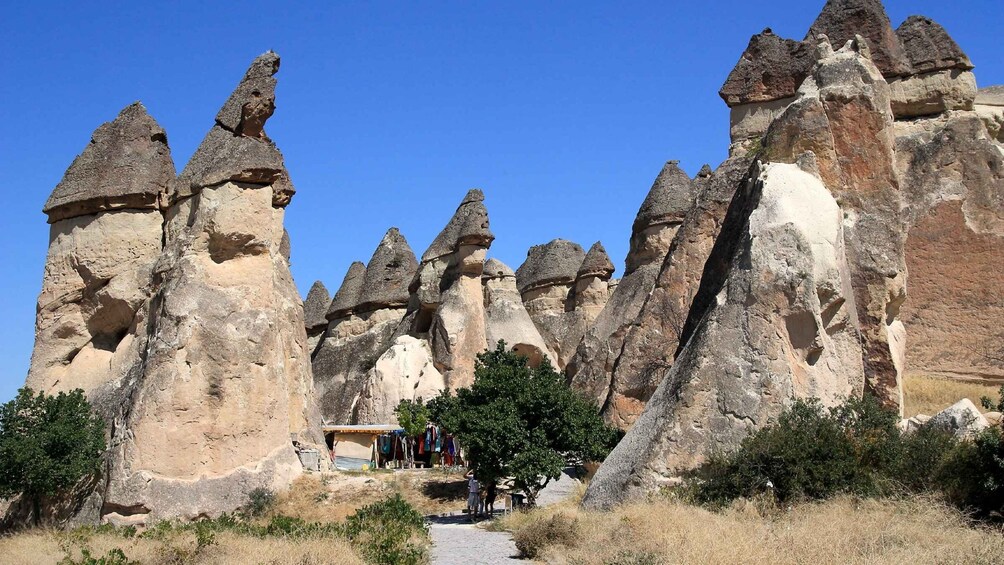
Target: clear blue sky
387, 112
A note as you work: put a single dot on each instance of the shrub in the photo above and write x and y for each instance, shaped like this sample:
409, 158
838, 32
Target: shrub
814, 453
559, 529
386, 532
259, 501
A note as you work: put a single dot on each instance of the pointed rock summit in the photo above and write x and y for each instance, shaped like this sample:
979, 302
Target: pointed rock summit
671, 195
390, 270
127, 164
596, 264
347, 296
468, 226
236, 149
842, 20
929, 47
316, 305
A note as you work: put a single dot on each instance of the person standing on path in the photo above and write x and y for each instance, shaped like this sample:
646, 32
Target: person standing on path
473, 494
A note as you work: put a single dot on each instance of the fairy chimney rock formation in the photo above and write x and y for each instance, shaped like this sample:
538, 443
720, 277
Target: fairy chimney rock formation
667, 203
347, 296
506, 318
315, 306
546, 282
843, 20
449, 294
105, 237
591, 292
362, 321
777, 330
225, 349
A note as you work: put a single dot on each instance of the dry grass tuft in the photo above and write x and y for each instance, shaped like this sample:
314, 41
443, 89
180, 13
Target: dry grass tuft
842, 530
331, 497
923, 394
49, 547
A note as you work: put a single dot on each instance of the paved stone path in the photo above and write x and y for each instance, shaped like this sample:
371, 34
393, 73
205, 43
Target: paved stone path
456, 541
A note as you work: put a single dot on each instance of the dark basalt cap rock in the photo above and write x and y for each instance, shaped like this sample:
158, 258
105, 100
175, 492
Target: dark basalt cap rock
555, 262
596, 264
771, 68
348, 294
315, 306
669, 199
929, 47
468, 226
127, 164
388, 274
495, 269
236, 148
841, 20
705, 171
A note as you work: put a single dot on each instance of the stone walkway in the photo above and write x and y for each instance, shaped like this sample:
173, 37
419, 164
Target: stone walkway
456, 541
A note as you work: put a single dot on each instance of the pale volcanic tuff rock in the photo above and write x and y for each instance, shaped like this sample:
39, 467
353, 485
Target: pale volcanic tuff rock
127, 165
363, 319
645, 344
779, 327
105, 237
506, 318
226, 361
591, 292
546, 282
315, 306
843, 117
954, 201
989, 105
655, 226
404, 372
457, 328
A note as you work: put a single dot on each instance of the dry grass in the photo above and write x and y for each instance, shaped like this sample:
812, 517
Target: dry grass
843, 530
331, 497
49, 547
929, 395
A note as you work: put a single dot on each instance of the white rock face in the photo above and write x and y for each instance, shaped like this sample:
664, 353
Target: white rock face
962, 419
97, 279
403, 372
225, 379
932, 93
782, 326
505, 317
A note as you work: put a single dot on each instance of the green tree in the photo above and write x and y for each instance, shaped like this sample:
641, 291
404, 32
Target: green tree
522, 422
412, 416
47, 444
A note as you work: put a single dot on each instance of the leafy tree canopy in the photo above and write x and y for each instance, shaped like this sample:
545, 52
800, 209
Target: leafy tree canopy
48, 443
522, 422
